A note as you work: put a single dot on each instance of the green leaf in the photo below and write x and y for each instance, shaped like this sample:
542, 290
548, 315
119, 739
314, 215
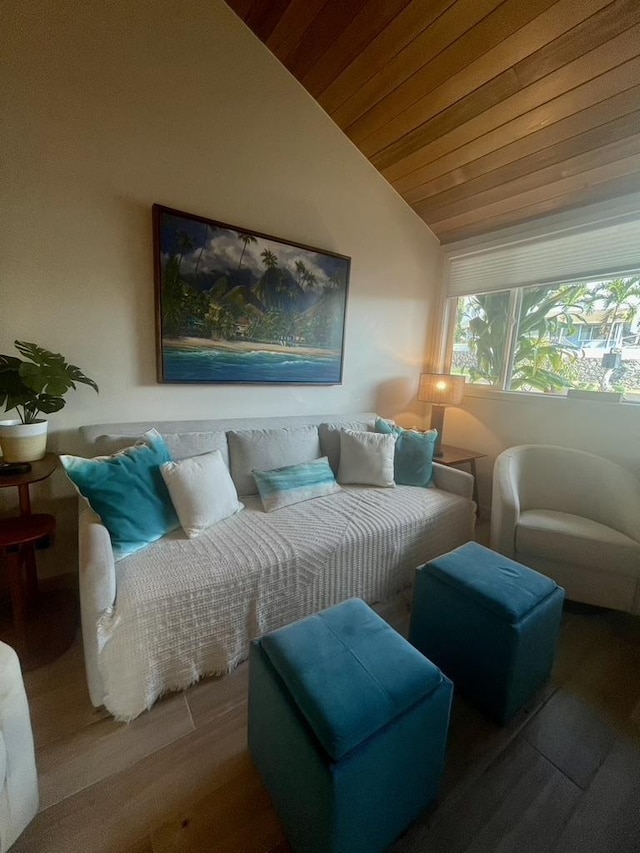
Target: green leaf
9, 363
40, 356
78, 376
52, 378
39, 383
13, 391
49, 372
47, 403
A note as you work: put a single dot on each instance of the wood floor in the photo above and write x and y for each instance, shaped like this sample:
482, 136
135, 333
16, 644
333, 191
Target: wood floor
564, 776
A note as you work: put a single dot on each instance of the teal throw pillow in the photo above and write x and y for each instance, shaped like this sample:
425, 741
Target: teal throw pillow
292, 484
413, 458
128, 492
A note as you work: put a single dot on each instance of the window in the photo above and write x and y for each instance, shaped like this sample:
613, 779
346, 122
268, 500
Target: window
551, 306
551, 338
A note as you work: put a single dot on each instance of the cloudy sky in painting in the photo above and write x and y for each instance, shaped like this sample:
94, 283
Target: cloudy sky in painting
221, 249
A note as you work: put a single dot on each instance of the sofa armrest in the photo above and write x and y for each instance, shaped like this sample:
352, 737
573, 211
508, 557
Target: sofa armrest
453, 480
97, 590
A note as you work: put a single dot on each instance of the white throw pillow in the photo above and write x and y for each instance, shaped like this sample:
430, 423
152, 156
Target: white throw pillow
202, 491
330, 438
366, 458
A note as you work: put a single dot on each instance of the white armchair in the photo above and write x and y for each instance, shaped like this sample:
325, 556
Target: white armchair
573, 516
18, 780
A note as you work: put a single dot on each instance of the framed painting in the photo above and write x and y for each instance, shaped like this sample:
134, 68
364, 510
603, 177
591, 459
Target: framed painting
237, 306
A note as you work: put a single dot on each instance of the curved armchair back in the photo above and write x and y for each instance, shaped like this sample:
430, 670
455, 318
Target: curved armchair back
583, 551
539, 476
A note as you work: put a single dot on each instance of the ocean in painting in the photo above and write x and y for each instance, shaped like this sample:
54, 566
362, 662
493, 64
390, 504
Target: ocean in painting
221, 365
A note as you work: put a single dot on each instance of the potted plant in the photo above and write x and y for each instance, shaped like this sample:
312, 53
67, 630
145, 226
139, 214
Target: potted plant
33, 386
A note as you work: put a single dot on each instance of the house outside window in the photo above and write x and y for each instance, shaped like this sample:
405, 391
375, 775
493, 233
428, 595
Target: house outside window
583, 335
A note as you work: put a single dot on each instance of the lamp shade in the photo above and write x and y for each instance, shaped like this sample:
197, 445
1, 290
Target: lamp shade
441, 388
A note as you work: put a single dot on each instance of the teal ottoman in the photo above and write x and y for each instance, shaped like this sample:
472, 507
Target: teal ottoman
489, 623
347, 727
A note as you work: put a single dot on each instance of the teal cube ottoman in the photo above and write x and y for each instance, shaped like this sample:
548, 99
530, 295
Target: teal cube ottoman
489, 623
347, 727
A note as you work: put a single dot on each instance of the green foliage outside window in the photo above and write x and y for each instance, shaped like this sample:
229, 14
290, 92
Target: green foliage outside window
545, 352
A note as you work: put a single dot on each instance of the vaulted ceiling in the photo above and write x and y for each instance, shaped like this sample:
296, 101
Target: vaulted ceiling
481, 113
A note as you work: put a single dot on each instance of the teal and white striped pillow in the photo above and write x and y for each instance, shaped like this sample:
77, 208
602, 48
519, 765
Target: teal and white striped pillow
295, 483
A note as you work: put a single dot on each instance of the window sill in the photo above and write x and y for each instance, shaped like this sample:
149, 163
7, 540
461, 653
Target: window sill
488, 393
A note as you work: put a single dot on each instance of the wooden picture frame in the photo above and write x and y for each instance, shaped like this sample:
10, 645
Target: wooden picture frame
238, 306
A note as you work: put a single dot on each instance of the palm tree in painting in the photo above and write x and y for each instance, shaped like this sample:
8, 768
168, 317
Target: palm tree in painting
306, 279
173, 298
334, 282
267, 285
269, 259
185, 244
310, 280
301, 271
202, 248
246, 239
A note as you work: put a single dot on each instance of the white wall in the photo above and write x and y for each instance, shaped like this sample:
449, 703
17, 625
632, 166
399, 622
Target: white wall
490, 424
109, 107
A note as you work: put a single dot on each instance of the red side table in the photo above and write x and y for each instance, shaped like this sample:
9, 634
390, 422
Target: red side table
40, 470
18, 535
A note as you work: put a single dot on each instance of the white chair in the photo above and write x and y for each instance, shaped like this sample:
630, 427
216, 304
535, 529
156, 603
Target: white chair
18, 780
572, 516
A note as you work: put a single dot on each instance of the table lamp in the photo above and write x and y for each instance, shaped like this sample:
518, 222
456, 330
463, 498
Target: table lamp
441, 390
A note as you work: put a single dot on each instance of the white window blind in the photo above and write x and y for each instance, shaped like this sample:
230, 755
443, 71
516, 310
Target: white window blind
584, 253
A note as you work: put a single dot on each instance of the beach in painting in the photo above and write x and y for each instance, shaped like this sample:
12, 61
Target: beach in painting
188, 359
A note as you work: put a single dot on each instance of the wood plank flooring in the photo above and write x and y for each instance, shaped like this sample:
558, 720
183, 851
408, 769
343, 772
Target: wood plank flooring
563, 776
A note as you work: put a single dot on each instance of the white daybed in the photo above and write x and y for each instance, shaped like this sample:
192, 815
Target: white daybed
180, 609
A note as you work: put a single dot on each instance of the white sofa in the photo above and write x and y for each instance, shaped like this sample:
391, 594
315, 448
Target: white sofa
162, 618
18, 779
573, 516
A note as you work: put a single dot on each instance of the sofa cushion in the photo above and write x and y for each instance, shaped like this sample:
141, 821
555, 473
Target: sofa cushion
349, 673
413, 455
265, 449
128, 492
330, 438
366, 458
563, 537
182, 445
202, 491
293, 484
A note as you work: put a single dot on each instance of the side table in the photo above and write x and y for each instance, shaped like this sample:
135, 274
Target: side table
52, 626
456, 456
18, 534
40, 470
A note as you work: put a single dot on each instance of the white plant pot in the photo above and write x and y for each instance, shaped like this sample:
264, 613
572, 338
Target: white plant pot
23, 442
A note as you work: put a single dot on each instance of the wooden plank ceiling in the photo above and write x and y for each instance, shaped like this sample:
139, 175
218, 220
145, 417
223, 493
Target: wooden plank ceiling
481, 113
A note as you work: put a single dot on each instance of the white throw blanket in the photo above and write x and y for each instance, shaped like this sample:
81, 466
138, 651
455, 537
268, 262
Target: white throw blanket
188, 608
